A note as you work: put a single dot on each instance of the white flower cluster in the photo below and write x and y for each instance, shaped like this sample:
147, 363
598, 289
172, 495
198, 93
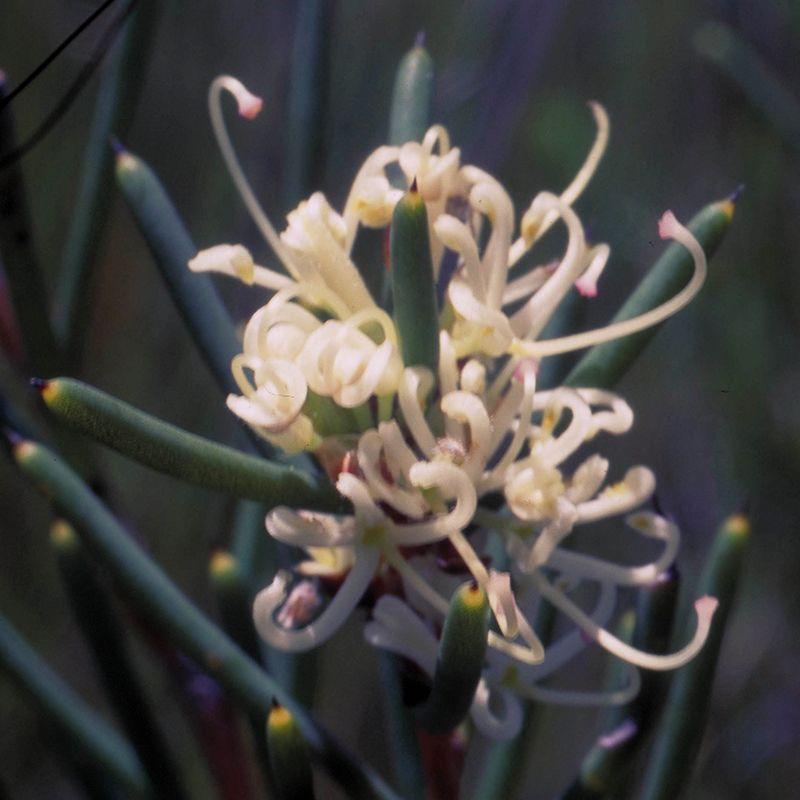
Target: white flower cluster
418, 452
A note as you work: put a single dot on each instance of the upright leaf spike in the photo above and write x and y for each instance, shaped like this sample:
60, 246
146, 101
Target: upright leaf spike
413, 286
288, 756
412, 97
104, 633
461, 655
681, 729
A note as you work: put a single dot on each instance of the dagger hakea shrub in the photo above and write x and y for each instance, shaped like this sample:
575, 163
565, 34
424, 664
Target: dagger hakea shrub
427, 417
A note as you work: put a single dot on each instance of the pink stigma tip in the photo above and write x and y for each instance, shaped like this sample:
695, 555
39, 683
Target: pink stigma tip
706, 606
250, 105
666, 225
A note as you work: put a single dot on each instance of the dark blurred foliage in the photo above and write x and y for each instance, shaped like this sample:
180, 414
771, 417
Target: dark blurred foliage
715, 396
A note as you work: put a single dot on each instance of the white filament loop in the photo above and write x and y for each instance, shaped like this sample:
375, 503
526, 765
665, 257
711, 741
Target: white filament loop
249, 106
564, 697
669, 228
704, 608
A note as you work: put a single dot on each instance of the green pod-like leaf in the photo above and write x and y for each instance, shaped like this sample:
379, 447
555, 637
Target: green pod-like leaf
288, 757
413, 287
461, 655
169, 611
83, 731
606, 363
681, 728
412, 97
176, 452
194, 295
104, 633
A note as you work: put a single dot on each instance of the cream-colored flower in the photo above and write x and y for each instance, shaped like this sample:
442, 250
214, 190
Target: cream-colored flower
422, 457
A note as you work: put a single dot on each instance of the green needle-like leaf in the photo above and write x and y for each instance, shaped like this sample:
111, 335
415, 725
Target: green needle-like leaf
104, 633
404, 748
461, 654
194, 295
288, 755
184, 455
122, 81
84, 731
606, 363
308, 96
681, 729
762, 86
25, 281
413, 288
412, 97
162, 604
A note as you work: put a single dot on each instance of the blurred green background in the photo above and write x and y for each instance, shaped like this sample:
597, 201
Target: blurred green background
702, 96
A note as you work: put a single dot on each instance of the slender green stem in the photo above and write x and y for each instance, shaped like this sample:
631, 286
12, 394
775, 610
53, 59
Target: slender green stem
82, 728
413, 287
120, 87
103, 632
184, 455
161, 603
458, 668
235, 602
25, 281
681, 729
606, 363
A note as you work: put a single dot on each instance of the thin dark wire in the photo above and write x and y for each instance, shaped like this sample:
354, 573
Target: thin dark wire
72, 92
55, 54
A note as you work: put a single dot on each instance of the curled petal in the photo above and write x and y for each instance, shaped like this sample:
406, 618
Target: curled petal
637, 486
587, 479
397, 628
410, 503
704, 608
648, 524
502, 725
310, 528
453, 483
565, 697
332, 618
415, 385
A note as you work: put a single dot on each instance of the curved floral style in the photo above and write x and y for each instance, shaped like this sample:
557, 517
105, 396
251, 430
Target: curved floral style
440, 467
